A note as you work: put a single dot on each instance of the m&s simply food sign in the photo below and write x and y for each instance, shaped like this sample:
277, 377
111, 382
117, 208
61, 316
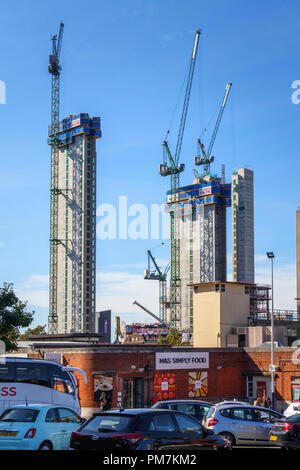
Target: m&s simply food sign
184, 360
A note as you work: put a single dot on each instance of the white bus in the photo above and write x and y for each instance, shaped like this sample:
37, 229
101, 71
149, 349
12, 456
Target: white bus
25, 380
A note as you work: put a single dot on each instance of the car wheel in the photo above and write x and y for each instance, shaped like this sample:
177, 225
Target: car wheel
145, 444
46, 446
229, 438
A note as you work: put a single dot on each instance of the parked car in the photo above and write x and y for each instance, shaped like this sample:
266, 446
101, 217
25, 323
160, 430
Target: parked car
292, 409
144, 429
241, 424
38, 427
286, 432
196, 408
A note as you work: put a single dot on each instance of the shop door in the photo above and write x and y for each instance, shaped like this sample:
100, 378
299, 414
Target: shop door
133, 392
261, 387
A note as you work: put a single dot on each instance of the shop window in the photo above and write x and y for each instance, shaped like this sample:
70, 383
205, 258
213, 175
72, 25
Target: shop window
295, 389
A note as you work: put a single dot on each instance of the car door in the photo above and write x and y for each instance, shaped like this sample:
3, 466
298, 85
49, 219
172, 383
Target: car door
264, 423
69, 422
243, 424
52, 429
166, 435
192, 432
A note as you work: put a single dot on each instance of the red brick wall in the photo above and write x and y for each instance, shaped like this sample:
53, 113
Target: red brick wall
226, 374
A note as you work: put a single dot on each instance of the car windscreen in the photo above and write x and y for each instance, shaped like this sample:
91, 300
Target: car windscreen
109, 423
19, 415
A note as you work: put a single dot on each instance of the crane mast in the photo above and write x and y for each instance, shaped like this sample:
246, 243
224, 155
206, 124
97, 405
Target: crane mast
55, 70
206, 159
161, 276
172, 167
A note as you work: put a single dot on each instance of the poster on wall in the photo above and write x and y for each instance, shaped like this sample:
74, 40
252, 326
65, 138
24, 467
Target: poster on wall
164, 386
197, 386
103, 391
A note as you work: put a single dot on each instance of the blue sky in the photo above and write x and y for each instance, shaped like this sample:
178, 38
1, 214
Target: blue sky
125, 61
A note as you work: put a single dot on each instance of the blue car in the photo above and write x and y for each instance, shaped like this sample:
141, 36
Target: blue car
38, 427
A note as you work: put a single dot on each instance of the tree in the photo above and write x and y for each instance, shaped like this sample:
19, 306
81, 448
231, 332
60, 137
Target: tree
13, 316
173, 338
38, 330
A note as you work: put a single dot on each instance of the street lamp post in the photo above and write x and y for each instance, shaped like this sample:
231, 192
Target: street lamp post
271, 256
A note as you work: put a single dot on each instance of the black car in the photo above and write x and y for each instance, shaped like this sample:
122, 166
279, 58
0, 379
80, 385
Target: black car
195, 408
286, 432
144, 429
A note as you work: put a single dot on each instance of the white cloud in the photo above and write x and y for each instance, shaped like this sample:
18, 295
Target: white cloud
285, 289
117, 290
34, 290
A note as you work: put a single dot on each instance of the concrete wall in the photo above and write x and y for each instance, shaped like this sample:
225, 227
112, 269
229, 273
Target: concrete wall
216, 313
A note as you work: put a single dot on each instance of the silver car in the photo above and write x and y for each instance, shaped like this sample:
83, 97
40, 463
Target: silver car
241, 424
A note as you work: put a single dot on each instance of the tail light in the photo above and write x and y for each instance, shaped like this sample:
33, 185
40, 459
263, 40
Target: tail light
287, 426
76, 434
132, 437
30, 433
212, 422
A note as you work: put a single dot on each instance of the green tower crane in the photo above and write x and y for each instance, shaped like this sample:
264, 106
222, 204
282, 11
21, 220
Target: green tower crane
158, 275
206, 159
55, 70
172, 167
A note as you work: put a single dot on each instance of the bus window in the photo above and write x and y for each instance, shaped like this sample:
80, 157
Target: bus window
33, 373
6, 373
64, 386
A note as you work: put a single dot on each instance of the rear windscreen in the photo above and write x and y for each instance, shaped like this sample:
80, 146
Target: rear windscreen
109, 423
20, 415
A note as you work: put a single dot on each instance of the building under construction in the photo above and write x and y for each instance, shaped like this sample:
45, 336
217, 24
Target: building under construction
201, 214
73, 225
242, 226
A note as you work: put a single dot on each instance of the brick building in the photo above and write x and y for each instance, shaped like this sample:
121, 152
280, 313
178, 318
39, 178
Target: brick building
138, 375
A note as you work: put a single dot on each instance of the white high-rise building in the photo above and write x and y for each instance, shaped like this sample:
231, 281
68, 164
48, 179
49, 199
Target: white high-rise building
242, 226
73, 227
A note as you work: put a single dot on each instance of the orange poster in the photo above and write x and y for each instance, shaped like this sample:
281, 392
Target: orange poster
164, 386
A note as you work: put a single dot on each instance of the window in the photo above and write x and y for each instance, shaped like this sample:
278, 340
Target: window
68, 416
20, 415
164, 423
187, 425
225, 412
145, 423
109, 422
52, 416
222, 287
238, 413
295, 383
63, 385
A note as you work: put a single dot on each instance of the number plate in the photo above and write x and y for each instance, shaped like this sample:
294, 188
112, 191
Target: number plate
8, 433
273, 438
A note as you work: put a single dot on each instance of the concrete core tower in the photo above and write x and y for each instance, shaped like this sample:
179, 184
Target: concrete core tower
73, 227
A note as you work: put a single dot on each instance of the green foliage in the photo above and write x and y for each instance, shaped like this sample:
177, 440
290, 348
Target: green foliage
38, 330
12, 316
173, 339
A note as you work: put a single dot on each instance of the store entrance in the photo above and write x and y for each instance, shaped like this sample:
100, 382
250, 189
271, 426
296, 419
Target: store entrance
133, 392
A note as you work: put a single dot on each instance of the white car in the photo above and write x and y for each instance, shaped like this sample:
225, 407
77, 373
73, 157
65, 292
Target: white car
292, 409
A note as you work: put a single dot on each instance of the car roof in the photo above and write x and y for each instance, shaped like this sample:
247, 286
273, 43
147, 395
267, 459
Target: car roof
132, 411
185, 401
39, 406
246, 405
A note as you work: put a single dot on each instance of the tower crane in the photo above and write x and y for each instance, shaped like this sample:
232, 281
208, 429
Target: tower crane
55, 71
158, 275
206, 159
172, 167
